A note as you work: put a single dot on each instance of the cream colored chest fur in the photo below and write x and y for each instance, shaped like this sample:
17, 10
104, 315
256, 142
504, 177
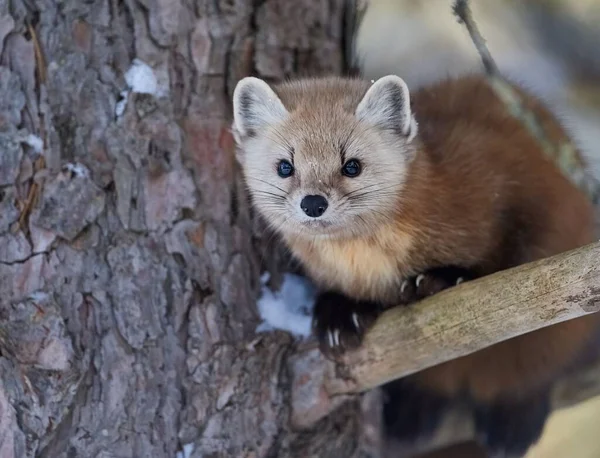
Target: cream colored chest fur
362, 268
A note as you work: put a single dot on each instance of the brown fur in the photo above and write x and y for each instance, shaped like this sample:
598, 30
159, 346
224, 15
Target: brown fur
460, 450
530, 211
478, 193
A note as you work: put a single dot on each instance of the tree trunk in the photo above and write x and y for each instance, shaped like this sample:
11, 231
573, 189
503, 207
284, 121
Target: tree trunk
129, 258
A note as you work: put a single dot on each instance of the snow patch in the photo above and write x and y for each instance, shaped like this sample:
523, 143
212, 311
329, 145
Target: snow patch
290, 308
122, 103
141, 78
187, 451
35, 142
38, 296
77, 169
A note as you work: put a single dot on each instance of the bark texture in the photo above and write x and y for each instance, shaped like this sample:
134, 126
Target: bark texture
129, 260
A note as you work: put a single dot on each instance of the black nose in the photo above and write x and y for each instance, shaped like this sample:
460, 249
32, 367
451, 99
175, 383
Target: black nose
314, 206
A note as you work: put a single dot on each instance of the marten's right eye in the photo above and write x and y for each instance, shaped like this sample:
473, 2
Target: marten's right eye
351, 168
285, 169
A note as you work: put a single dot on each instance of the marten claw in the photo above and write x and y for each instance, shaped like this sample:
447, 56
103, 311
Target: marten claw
340, 322
355, 320
432, 281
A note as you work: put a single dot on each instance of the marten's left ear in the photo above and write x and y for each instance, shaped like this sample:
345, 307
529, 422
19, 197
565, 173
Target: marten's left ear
386, 104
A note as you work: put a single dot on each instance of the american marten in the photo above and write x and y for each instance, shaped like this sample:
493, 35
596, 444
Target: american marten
386, 197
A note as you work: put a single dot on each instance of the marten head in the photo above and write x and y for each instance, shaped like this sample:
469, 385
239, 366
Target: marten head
324, 157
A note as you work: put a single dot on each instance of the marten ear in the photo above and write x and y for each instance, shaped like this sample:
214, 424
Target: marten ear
386, 104
255, 105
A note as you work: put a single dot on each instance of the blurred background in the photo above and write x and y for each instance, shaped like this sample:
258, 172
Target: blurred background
550, 47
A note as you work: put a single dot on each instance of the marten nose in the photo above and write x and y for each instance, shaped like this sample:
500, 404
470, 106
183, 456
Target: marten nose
314, 206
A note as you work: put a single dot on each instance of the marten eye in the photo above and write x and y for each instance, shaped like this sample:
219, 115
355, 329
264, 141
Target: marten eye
285, 169
351, 168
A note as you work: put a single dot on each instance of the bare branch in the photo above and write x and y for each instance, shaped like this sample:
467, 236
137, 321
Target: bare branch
463, 13
565, 154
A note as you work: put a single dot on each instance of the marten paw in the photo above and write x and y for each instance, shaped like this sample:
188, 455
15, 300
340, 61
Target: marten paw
432, 281
340, 322
510, 430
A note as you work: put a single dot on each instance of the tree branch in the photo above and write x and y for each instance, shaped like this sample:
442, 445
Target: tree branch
471, 317
565, 154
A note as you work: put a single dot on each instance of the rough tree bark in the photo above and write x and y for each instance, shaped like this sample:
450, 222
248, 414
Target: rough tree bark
128, 265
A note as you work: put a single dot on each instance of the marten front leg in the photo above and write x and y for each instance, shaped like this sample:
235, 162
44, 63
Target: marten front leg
432, 281
340, 322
